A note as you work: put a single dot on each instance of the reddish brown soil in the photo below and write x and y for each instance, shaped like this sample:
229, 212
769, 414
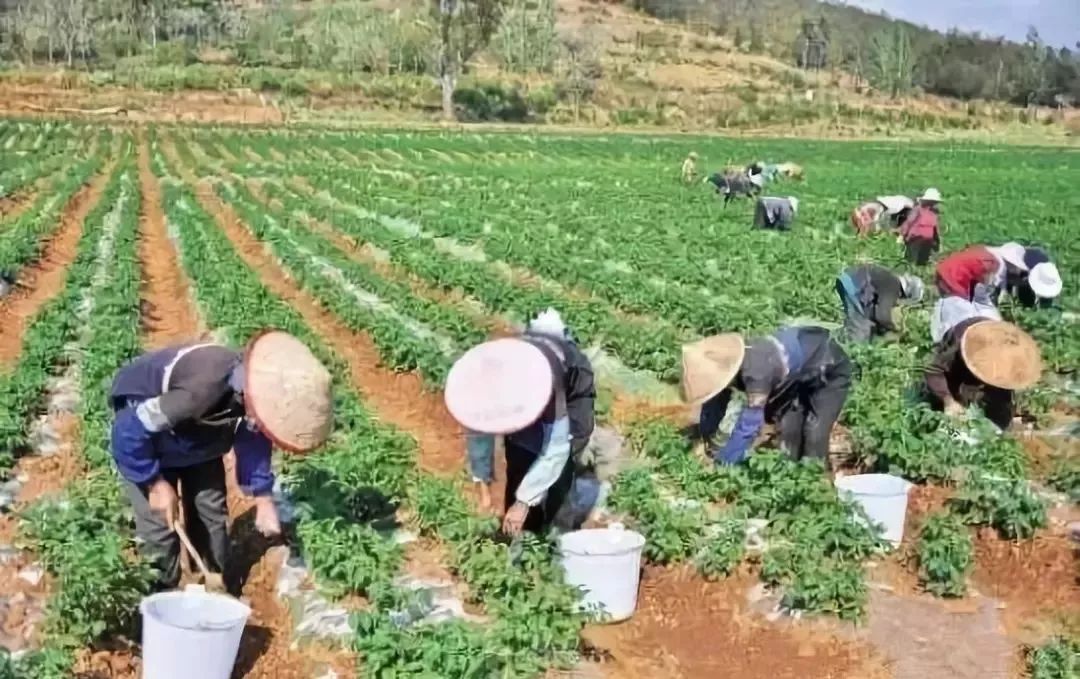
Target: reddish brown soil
399, 398
168, 314
1036, 579
687, 628
44, 279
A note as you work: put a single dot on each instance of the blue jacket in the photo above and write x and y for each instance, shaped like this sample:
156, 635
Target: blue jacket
183, 406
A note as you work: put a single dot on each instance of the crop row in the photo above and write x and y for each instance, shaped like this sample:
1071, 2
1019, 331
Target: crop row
534, 623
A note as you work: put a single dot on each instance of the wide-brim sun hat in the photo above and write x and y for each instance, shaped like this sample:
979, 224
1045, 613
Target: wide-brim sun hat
1045, 281
499, 387
287, 391
1001, 355
1013, 253
931, 195
709, 366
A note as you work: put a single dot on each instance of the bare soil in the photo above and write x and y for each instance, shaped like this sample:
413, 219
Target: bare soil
13, 206
42, 280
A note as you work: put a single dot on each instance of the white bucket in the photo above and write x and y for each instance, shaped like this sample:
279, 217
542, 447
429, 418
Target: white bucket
606, 563
189, 634
884, 499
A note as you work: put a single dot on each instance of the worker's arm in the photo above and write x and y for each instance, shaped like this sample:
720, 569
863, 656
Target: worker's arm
547, 468
936, 373
134, 428
712, 414
254, 473
747, 427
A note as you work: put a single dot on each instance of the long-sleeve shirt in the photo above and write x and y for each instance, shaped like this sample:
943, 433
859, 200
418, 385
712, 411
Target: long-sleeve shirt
771, 368
182, 406
961, 272
921, 223
776, 212
878, 291
562, 431
947, 372
951, 311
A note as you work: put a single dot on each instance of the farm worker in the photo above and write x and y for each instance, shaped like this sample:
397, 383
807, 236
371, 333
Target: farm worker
870, 294
7, 283
871, 216
797, 377
950, 311
179, 411
1039, 285
983, 361
775, 213
689, 168
537, 390
735, 184
790, 170
920, 231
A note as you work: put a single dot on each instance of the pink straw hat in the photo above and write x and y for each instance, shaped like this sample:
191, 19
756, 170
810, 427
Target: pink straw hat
499, 387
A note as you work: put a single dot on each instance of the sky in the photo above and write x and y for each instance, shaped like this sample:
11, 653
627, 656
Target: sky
1058, 21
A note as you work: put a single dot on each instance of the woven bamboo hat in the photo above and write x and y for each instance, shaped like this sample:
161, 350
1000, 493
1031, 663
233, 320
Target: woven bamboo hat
709, 366
1001, 355
499, 387
287, 391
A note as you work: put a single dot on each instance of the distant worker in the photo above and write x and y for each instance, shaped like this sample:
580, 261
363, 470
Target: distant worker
538, 391
981, 361
790, 171
775, 213
980, 270
1039, 285
881, 213
7, 283
736, 184
180, 410
870, 295
798, 378
920, 231
689, 168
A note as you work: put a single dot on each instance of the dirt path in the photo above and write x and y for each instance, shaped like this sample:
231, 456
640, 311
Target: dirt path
167, 311
40, 281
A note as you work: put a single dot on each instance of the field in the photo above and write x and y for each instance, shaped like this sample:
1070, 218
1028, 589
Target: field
390, 253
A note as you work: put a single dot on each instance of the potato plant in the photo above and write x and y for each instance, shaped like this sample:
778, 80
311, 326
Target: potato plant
945, 555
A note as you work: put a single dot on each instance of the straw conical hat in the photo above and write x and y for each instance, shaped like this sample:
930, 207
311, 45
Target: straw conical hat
1001, 355
709, 365
287, 391
499, 387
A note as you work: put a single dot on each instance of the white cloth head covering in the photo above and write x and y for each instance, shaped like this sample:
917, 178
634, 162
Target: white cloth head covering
913, 288
757, 180
894, 204
950, 311
548, 322
1045, 281
794, 203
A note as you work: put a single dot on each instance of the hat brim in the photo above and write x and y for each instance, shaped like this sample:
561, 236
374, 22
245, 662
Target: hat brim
287, 391
709, 367
499, 387
1002, 355
1045, 290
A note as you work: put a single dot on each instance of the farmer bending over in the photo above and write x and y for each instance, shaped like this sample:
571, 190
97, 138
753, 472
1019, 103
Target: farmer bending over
982, 361
538, 391
884, 212
920, 231
775, 213
980, 271
797, 377
870, 295
735, 184
179, 411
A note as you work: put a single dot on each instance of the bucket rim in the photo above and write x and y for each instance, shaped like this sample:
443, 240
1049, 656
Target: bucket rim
243, 611
905, 486
637, 542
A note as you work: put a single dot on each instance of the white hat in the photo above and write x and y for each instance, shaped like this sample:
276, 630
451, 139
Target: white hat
499, 387
1045, 281
757, 180
1013, 253
931, 196
794, 203
913, 288
548, 322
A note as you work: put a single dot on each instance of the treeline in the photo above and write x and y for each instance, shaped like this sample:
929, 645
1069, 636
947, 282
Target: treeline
891, 55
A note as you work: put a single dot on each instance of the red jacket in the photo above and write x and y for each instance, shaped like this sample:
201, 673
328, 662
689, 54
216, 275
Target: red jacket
921, 223
958, 273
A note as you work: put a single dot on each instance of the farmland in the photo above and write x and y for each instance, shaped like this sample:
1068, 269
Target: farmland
390, 253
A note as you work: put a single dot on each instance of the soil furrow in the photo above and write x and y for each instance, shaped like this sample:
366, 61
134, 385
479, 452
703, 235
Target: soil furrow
42, 280
13, 206
168, 313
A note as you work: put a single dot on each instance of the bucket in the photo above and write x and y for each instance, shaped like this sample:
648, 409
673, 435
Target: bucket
884, 499
606, 564
192, 633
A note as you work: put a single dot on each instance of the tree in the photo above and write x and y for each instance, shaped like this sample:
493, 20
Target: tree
465, 27
892, 61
